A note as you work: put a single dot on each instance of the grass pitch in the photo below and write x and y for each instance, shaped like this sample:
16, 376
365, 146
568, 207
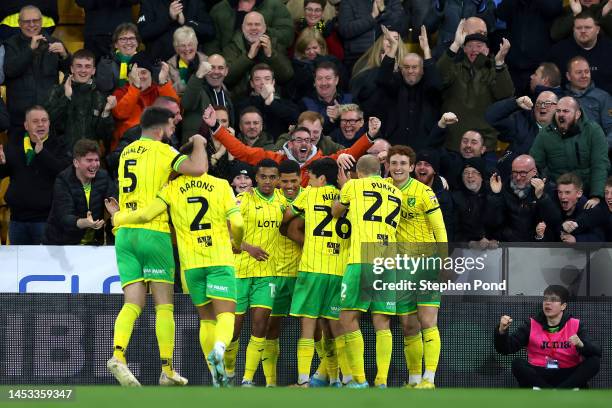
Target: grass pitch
153, 397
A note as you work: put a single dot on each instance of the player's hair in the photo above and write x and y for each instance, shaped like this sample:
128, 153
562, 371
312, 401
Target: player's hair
84, 146
266, 164
368, 165
609, 182
576, 59
261, 67
402, 150
558, 290
155, 116
551, 72
299, 129
84, 53
327, 65
35, 108
325, 167
289, 167
310, 116
570, 178
123, 28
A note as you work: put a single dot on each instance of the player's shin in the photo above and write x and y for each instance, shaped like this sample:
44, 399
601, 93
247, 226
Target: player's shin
413, 351
384, 347
253, 356
431, 351
124, 324
164, 330
354, 352
269, 360
305, 352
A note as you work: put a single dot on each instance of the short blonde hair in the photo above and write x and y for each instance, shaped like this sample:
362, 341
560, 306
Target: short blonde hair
306, 37
350, 107
184, 34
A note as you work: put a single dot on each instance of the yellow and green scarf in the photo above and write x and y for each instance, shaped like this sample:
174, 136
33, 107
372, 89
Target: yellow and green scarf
28, 149
124, 60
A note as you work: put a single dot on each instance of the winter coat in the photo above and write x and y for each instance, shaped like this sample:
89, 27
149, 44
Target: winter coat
516, 126
70, 204
583, 150
597, 105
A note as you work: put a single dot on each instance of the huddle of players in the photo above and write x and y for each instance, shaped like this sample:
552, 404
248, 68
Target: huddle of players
296, 251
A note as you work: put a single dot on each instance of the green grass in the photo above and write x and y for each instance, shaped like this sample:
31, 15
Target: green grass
152, 397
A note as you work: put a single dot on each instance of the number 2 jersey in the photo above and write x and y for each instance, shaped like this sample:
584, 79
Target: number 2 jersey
326, 239
144, 168
200, 207
262, 219
373, 211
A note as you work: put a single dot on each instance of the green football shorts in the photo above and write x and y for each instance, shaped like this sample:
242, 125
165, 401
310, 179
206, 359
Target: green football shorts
144, 255
316, 295
284, 293
358, 293
255, 292
409, 300
213, 282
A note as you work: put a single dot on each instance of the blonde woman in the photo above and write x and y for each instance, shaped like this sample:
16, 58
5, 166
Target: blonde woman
187, 58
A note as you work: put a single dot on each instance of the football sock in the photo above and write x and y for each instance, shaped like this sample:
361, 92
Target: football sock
354, 352
321, 372
164, 330
331, 358
305, 352
384, 347
413, 351
345, 367
231, 352
124, 324
253, 356
207, 330
431, 352
269, 358
224, 329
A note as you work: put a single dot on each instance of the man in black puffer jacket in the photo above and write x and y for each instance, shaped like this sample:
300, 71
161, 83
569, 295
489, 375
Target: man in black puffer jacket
77, 212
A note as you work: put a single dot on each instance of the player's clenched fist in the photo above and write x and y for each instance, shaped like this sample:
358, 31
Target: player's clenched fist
504, 323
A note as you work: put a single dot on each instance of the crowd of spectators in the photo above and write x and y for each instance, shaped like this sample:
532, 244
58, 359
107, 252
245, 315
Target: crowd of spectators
506, 103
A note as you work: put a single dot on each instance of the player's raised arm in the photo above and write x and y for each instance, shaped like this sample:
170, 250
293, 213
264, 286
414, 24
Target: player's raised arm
197, 162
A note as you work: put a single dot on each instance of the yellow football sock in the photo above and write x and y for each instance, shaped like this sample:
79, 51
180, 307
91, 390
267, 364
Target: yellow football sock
413, 351
207, 339
331, 359
231, 352
269, 358
164, 330
224, 329
305, 352
354, 352
343, 362
384, 347
253, 356
431, 352
321, 371
124, 324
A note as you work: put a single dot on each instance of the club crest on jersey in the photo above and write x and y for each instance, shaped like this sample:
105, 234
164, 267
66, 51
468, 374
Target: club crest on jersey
411, 201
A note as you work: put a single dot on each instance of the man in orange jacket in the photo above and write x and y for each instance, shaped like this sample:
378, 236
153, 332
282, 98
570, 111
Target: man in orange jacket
298, 148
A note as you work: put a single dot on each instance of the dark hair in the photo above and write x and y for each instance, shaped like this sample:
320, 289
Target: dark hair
220, 108
319, 2
266, 164
163, 99
551, 72
558, 290
261, 67
570, 178
289, 167
586, 13
123, 27
84, 146
327, 65
251, 109
609, 182
299, 129
402, 150
325, 167
84, 53
155, 116
35, 108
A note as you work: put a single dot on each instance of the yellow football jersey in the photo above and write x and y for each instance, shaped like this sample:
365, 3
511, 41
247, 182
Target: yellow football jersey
326, 239
200, 207
262, 219
144, 167
288, 252
373, 211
